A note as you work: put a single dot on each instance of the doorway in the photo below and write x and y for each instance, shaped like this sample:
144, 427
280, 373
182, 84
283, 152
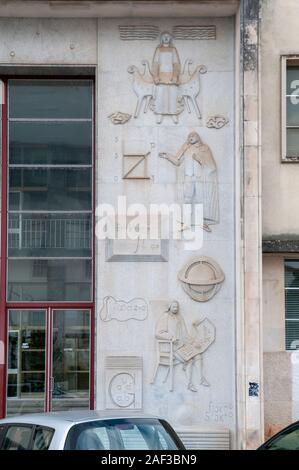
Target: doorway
49, 360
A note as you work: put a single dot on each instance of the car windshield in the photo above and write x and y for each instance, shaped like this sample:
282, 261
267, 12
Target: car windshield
122, 434
288, 440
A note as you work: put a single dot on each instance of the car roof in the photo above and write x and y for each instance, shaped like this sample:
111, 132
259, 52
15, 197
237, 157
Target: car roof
74, 416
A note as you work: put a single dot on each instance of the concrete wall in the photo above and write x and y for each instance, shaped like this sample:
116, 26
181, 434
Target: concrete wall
280, 181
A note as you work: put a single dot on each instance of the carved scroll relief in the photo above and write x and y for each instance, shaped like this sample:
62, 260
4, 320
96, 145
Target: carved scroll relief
201, 278
123, 382
121, 310
175, 346
164, 87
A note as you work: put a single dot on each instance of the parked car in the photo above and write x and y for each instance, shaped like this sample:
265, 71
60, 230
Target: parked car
87, 430
287, 439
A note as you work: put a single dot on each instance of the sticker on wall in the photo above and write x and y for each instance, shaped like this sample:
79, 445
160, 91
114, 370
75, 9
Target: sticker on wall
197, 177
121, 310
253, 389
123, 382
175, 346
165, 88
201, 278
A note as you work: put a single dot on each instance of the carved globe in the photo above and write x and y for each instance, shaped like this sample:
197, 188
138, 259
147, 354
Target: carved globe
201, 278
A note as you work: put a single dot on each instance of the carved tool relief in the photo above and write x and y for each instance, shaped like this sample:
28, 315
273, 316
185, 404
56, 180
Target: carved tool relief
201, 278
164, 87
175, 346
123, 382
135, 166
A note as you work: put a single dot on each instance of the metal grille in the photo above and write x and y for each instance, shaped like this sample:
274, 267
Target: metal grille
50, 233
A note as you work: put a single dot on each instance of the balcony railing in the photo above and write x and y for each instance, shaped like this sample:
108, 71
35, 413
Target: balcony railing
58, 233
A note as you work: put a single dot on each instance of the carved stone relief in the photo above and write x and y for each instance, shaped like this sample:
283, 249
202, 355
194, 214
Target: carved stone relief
123, 382
201, 278
176, 346
131, 32
164, 87
135, 166
121, 310
119, 118
193, 32
197, 177
217, 122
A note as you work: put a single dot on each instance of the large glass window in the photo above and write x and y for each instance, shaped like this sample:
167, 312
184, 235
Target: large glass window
290, 109
50, 190
292, 304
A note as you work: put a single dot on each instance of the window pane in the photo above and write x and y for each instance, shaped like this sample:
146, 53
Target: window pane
49, 235
50, 99
288, 441
292, 80
26, 361
292, 273
50, 189
122, 434
42, 438
71, 352
17, 438
292, 303
49, 280
50, 143
293, 111
292, 334
292, 142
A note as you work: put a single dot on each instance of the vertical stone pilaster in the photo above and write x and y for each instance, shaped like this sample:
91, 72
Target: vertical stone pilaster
251, 383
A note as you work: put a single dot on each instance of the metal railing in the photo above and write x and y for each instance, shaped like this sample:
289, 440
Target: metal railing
62, 233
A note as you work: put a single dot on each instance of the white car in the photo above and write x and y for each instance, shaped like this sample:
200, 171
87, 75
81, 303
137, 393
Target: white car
87, 430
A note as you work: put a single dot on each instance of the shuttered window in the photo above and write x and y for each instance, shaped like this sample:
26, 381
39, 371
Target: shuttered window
292, 304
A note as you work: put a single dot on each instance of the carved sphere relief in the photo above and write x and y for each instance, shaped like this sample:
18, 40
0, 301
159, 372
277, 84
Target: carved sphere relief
201, 278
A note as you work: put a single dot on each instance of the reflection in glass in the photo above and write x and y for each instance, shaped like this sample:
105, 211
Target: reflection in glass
71, 363
292, 112
50, 189
48, 143
49, 235
49, 280
26, 361
292, 142
50, 99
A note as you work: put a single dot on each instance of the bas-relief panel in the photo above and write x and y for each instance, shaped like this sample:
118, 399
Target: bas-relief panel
162, 92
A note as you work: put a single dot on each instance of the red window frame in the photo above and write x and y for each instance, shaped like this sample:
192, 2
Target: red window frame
4, 304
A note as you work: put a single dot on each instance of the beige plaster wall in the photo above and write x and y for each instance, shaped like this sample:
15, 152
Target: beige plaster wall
279, 36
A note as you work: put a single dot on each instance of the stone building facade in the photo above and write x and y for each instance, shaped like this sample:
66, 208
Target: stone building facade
159, 102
